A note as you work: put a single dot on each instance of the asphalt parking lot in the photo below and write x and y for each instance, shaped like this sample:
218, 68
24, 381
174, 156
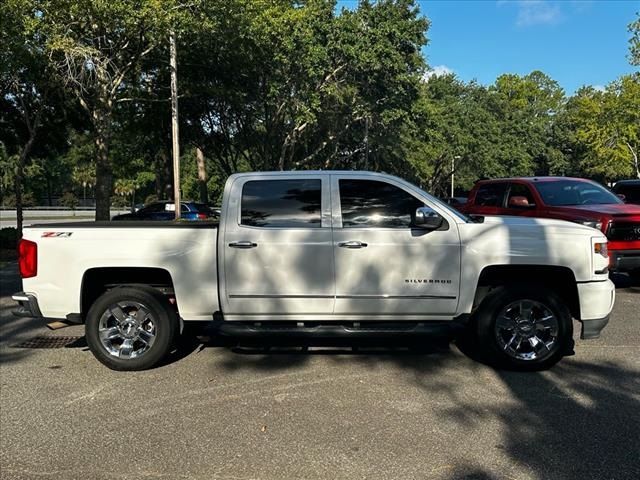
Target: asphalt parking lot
222, 411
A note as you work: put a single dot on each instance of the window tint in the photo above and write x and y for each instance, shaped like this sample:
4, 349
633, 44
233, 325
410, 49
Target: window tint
281, 203
520, 196
574, 192
491, 194
373, 204
153, 208
631, 191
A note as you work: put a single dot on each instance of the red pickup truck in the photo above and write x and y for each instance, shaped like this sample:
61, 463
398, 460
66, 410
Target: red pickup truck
574, 199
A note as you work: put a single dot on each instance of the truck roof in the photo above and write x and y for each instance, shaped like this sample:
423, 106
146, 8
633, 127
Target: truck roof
541, 178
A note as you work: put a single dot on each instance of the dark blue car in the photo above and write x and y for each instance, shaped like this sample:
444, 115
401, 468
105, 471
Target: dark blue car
165, 210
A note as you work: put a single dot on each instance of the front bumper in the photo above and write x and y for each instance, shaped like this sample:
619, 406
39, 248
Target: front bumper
596, 302
28, 305
624, 260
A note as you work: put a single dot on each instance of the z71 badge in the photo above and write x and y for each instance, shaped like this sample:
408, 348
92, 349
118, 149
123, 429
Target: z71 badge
57, 234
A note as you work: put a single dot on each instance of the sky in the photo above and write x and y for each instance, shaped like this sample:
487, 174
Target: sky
574, 42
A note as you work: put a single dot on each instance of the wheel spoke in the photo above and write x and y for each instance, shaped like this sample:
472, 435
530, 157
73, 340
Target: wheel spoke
117, 313
511, 340
505, 323
546, 321
109, 333
126, 348
525, 309
142, 314
145, 337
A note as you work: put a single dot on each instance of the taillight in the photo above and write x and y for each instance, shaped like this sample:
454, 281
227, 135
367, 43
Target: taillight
202, 216
28, 258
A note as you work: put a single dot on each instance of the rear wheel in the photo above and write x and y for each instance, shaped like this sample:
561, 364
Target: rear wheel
131, 328
524, 328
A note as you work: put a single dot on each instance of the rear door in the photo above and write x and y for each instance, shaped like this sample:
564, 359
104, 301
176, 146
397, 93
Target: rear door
386, 269
278, 253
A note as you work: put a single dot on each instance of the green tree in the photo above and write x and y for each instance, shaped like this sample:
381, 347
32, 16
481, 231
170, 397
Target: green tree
634, 41
608, 125
27, 90
97, 48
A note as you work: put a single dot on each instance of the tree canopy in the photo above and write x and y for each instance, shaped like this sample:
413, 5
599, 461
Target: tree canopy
272, 85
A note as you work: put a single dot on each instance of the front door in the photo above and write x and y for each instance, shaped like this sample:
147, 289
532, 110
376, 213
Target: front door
278, 254
386, 269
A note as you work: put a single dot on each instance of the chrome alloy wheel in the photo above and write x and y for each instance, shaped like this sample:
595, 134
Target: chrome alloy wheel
526, 330
127, 329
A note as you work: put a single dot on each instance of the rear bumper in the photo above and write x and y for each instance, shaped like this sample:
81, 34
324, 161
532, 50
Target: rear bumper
596, 303
28, 305
592, 328
624, 260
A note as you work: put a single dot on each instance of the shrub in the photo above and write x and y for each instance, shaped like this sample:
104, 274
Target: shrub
69, 200
28, 200
150, 199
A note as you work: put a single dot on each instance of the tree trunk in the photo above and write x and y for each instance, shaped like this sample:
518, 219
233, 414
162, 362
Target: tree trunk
104, 179
164, 184
202, 176
19, 179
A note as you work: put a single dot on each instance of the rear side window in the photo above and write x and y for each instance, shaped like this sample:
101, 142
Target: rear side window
373, 204
282, 203
491, 195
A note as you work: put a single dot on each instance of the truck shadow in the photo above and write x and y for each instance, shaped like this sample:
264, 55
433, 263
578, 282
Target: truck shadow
577, 420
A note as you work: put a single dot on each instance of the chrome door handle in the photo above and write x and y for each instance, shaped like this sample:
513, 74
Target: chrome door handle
243, 244
352, 244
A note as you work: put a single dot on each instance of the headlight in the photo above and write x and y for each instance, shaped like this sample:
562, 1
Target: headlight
592, 223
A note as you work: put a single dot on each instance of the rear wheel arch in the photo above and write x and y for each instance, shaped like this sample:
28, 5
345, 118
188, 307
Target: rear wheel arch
97, 281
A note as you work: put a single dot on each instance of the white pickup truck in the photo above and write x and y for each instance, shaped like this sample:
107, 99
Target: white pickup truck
322, 253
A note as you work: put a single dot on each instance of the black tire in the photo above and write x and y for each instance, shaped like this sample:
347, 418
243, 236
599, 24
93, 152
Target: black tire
634, 275
488, 339
161, 314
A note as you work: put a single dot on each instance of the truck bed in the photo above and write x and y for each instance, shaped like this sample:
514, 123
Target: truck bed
69, 251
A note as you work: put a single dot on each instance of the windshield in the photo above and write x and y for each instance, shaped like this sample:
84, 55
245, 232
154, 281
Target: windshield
574, 192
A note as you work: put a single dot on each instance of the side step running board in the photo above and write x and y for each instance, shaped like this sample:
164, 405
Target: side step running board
351, 330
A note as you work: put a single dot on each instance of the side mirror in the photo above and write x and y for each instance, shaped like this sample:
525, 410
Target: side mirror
520, 202
427, 218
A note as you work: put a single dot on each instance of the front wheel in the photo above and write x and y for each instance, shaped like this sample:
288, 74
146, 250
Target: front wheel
524, 328
131, 328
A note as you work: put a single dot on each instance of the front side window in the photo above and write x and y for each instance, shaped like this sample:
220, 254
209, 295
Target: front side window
374, 204
491, 195
520, 197
574, 192
282, 203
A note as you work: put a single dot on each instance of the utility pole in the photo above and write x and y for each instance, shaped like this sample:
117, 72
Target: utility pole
202, 176
453, 169
174, 122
